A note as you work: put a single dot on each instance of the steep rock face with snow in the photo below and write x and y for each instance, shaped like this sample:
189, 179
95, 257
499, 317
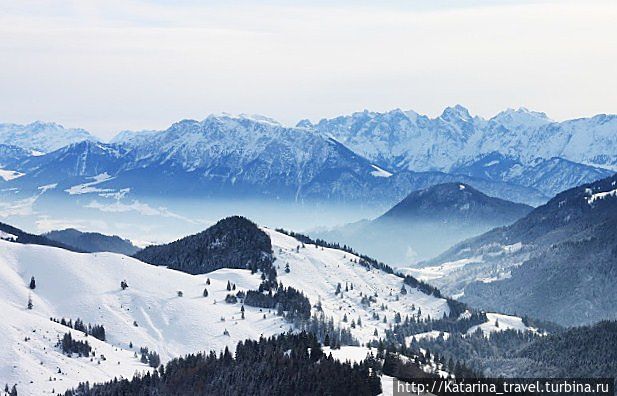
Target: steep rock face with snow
10, 159
239, 157
75, 161
42, 137
370, 158
220, 156
406, 140
549, 176
428, 221
11, 155
556, 263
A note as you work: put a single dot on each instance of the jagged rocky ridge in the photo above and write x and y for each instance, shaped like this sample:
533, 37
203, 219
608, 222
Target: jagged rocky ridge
368, 158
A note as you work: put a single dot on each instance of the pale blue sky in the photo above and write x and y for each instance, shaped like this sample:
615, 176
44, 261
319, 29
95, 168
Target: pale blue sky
113, 65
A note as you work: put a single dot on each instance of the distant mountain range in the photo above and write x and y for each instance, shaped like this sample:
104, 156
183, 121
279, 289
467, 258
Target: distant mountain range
42, 137
557, 263
427, 222
92, 241
366, 158
407, 140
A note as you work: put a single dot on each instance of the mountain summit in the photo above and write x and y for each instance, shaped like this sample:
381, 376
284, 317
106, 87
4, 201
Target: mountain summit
456, 203
428, 221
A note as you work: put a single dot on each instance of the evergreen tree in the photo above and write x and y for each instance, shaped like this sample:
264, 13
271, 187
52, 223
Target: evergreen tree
30, 305
228, 286
205, 292
32, 283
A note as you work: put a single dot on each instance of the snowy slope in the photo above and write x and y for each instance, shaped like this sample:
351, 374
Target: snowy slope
87, 286
317, 273
30, 359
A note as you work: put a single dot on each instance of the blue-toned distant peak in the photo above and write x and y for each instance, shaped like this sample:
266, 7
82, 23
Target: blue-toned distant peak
42, 137
456, 113
521, 118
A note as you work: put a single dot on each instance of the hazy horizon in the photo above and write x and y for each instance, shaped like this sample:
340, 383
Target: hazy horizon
113, 66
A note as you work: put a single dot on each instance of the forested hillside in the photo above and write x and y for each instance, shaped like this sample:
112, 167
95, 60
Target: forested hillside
234, 242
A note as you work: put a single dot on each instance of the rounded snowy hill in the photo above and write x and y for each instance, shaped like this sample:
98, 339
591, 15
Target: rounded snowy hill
166, 311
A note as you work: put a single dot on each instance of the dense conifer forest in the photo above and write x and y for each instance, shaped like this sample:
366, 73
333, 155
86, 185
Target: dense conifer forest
234, 242
589, 351
288, 364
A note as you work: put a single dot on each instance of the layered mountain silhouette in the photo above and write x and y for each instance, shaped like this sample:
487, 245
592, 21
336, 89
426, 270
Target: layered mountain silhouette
559, 262
428, 221
92, 241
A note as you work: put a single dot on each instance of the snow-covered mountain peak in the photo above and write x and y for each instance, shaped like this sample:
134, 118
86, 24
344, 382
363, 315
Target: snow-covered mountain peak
412, 115
132, 137
42, 136
40, 125
455, 113
256, 118
305, 123
521, 118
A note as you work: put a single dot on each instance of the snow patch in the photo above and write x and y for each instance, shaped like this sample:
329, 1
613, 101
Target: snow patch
352, 354
10, 174
378, 172
429, 335
7, 237
87, 188
600, 195
499, 322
